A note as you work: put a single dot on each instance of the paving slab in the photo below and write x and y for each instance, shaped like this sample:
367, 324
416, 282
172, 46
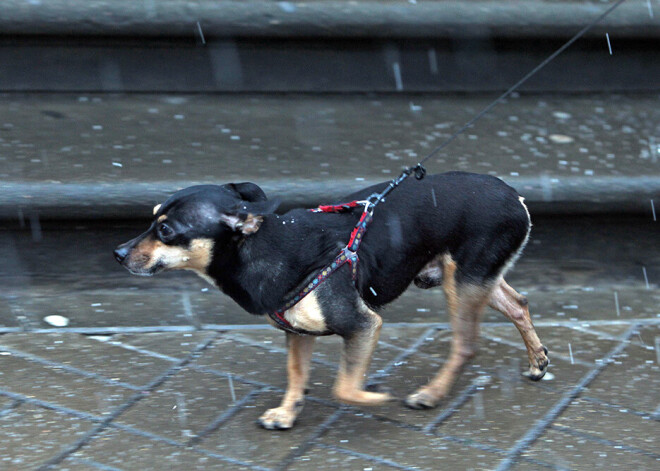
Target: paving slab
404, 445
609, 423
500, 414
570, 452
175, 345
570, 345
6, 405
323, 457
184, 405
471, 429
128, 451
267, 365
242, 439
89, 355
119, 155
30, 435
61, 388
631, 379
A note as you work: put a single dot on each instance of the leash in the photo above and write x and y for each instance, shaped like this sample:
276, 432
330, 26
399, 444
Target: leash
349, 253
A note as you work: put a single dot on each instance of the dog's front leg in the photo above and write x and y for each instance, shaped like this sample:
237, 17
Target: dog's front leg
354, 363
298, 363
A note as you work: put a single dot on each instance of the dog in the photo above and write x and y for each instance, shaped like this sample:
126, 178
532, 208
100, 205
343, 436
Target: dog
458, 230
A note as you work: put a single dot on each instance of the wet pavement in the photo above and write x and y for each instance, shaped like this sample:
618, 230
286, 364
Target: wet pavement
167, 373
85, 155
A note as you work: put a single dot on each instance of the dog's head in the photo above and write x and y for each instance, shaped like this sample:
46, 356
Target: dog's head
189, 226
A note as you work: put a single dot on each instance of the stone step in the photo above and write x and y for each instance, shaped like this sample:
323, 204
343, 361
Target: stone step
110, 156
327, 18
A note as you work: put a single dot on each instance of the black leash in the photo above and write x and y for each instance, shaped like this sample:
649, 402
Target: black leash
419, 169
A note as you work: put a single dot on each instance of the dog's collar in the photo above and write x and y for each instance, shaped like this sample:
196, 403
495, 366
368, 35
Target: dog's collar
347, 255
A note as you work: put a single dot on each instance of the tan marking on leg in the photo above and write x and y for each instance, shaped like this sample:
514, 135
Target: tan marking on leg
354, 363
298, 366
465, 304
156, 208
515, 307
307, 315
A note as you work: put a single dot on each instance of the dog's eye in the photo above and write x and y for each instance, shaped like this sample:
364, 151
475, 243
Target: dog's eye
165, 232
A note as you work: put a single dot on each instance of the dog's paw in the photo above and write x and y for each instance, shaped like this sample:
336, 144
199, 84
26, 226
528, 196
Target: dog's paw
539, 366
378, 388
363, 398
279, 418
421, 400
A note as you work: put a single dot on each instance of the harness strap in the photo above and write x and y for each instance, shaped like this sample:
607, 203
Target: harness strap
347, 255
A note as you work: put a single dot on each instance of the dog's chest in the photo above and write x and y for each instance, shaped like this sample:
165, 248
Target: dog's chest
307, 315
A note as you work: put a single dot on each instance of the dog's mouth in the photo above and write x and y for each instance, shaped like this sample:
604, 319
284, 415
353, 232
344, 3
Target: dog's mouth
146, 272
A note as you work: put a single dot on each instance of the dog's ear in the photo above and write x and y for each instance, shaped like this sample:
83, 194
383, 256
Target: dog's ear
244, 223
249, 191
248, 217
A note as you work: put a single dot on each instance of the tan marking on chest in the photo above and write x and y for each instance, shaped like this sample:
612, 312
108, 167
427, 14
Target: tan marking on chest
307, 315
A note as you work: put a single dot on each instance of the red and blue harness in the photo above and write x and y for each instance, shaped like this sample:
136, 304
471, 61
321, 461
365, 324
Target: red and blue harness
348, 254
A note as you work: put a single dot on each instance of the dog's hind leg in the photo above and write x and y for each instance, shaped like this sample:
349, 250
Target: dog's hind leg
354, 363
465, 303
514, 306
298, 365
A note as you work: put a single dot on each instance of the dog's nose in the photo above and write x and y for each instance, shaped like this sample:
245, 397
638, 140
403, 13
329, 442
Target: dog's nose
120, 253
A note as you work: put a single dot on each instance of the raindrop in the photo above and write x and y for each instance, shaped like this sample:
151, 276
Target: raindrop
231, 389
181, 410
653, 210
21, 219
396, 68
201, 33
35, 227
616, 302
433, 61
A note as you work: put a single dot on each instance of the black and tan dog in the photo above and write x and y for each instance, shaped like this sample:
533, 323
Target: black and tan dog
459, 230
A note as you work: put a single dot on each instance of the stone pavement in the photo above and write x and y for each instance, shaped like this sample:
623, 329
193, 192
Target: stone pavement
189, 400
165, 373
